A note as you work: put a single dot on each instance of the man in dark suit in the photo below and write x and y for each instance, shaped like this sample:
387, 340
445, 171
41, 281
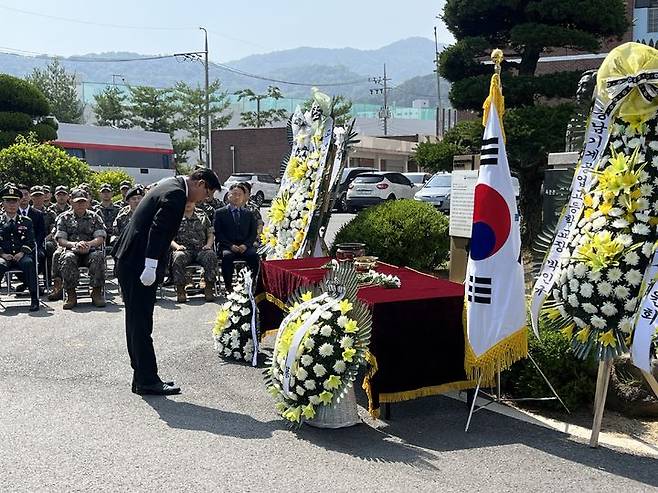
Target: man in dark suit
38, 225
141, 253
235, 233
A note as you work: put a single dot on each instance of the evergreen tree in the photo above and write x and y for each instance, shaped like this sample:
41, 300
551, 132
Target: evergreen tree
111, 108
60, 90
525, 30
261, 118
23, 110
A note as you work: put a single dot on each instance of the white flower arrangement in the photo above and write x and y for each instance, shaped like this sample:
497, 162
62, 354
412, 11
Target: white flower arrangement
609, 257
232, 333
323, 365
292, 209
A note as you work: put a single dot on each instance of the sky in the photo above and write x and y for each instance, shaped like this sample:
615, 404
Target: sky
236, 28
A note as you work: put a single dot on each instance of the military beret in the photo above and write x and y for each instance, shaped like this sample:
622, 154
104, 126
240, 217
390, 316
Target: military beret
11, 192
78, 194
134, 192
125, 184
36, 190
105, 187
61, 189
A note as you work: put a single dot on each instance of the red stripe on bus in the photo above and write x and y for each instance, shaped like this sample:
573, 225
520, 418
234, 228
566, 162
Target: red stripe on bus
109, 147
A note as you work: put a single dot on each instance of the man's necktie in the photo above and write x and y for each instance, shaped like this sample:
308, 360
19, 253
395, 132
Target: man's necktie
236, 216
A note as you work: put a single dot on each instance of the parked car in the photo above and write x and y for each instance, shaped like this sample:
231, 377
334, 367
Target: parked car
373, 188
418, 179
264, 187
346, 178
437, 191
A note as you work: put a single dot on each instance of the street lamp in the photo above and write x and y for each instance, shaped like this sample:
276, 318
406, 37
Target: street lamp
232, 148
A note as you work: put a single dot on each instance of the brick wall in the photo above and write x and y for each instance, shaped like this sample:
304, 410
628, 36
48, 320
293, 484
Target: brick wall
257, 150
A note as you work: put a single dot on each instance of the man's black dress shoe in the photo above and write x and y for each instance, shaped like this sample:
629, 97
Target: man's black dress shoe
159, 388
133, 386
34, 305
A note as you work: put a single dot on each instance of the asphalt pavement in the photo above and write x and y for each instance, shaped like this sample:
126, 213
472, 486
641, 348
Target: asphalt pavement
68, 421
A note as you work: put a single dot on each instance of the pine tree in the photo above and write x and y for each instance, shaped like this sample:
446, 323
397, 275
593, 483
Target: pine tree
111, 108
59, 87
261, 118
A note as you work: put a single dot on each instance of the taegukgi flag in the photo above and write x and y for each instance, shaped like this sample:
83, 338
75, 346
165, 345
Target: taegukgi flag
494, 287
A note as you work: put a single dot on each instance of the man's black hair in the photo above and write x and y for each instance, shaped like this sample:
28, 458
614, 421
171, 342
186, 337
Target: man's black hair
241, 186
247, 185
207, 175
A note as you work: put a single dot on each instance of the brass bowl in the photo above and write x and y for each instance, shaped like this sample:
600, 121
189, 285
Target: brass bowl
365, 263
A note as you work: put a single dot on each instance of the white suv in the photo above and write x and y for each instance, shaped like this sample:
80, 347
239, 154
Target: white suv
373, 188
263, 187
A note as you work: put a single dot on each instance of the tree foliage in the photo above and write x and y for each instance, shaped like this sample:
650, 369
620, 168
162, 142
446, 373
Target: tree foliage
111, 108
23, 110
191, 103
33, 163
341, 109
59, 88
535, 122
464, 138
113, 177
260, 117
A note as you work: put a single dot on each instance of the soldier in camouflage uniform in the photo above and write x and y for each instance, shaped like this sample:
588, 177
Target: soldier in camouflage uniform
93, 203
60, 206
124, 188
194, 243
82, 233
209, 206
106, 209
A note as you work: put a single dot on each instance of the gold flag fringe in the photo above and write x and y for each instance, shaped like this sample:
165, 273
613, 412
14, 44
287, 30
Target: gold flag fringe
499, 357
498, 100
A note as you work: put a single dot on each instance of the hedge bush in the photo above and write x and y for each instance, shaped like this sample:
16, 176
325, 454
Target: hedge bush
400, 232
112, 176
32, 163
573, 379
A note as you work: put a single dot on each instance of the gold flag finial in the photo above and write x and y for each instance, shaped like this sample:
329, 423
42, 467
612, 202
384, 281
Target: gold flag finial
497, 57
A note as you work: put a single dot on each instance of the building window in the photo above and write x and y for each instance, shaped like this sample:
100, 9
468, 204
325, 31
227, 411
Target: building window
652, 20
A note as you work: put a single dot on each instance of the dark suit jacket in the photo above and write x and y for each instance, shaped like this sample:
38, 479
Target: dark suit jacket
228, 233
39, 224
153, 225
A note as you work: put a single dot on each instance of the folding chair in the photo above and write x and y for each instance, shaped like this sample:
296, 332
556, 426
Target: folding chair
12, 272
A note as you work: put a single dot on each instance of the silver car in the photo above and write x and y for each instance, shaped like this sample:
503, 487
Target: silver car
437, 192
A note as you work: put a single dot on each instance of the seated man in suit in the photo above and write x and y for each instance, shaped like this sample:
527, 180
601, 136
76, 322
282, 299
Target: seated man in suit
235, 232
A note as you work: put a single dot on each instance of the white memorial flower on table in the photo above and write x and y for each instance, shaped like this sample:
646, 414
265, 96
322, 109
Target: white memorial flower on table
632, 258
309, 384
625, 325
319, 370
570, 272
306, 360
326, 331
619, 223
622, 292
326, 315
634, 277
642, 203
629, 306
557, 296
579, 322
646, 189
598, 223
633, 143
590, 308
227, 351
309, 343
339, 366
608, 309
563, 277
647, 249
346, 342
604, 288
580, 270
614, 274
594, 276
326, 350
625, 239
314, 399
301, 373
640, 229
573, 300
586, 290
342, 320
300, 390
565, 291
616, 212
574, 285
598, 322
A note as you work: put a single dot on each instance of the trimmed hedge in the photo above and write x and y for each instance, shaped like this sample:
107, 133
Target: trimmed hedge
400, 232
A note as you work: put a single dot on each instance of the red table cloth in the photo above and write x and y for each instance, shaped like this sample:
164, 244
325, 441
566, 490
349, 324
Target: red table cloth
417, 344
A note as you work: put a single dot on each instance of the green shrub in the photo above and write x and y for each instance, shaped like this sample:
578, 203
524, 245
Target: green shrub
30, 162
573, 379
400, 232
112, 176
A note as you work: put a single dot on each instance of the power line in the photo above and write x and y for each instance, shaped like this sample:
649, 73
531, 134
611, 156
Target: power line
92, 23
17, 52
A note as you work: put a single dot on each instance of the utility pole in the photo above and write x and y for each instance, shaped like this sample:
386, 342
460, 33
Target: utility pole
384, 112
439, 117
208, 129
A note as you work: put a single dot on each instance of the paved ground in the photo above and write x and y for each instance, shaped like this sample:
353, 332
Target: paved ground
69, 422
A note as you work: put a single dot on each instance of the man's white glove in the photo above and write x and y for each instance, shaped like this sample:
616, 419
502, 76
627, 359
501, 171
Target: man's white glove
148, 276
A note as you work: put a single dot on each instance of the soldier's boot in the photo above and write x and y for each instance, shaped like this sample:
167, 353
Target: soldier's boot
56, 294
181, 294
97, 297
71, 299
209, 291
